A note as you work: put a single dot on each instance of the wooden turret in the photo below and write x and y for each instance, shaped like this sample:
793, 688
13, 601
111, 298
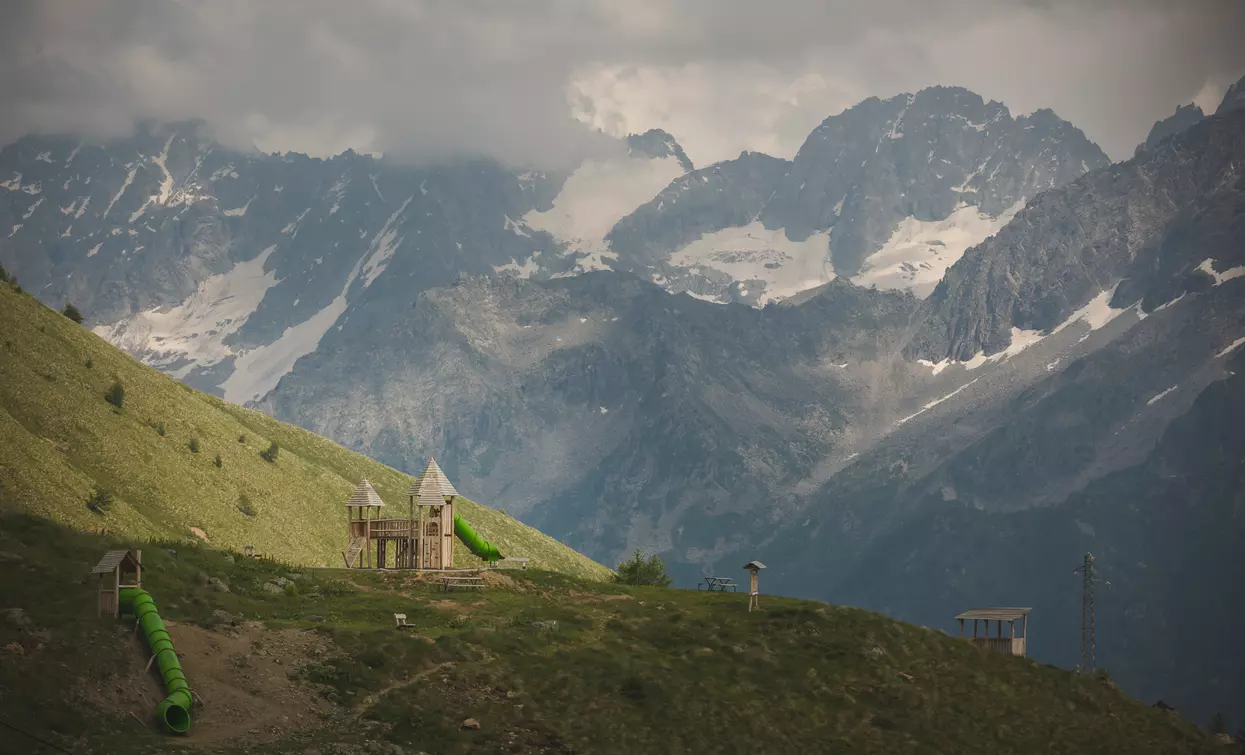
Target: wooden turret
362, 509
432, 511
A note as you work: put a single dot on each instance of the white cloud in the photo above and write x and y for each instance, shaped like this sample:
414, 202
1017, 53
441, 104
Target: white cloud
426, 80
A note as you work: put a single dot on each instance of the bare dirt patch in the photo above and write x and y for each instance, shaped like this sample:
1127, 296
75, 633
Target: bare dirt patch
245, 679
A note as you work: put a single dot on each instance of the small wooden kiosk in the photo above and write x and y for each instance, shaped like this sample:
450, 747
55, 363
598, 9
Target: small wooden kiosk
1011, 644
753, 568
126, 569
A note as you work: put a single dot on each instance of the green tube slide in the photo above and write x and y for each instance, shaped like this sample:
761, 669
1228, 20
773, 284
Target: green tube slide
476, 544
174, 711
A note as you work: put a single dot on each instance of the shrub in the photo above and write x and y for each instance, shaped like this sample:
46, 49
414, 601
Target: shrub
270, 454
649, 572
242, 439
116, 394
217, 461
4, 276
90, 363
72, 313
160, 429
194, 445
244, 505
100, 501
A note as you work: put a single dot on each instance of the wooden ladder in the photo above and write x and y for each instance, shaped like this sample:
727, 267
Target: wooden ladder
351, 556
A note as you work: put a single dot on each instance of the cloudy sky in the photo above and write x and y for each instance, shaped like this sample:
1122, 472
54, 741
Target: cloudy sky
529, 81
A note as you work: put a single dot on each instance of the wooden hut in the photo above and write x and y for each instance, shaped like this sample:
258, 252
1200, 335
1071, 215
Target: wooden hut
432, 515
1011, 644
117, 569
753, 568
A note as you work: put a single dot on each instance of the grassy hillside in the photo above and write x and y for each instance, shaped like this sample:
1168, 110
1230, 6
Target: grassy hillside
60, 440
542, 662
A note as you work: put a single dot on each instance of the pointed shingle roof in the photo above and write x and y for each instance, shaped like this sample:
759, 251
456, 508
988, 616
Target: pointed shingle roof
364, 495
110, 561
432, 487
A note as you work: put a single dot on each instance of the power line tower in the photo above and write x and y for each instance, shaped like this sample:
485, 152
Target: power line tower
1088, 578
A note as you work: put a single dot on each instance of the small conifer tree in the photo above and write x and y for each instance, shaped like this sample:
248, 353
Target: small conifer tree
194, 445
270, 454
116, 394
638, 570
217, 461
72, 313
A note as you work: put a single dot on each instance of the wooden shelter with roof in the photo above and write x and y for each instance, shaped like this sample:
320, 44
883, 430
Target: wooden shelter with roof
1012, 644
424, 539
117, 570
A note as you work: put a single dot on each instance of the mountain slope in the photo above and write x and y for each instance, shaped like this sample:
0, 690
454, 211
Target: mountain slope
59, 440
1070, 244
1165, 532
541, 663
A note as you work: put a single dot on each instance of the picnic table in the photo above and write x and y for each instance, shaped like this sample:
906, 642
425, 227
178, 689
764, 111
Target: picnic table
716, 584
450, 583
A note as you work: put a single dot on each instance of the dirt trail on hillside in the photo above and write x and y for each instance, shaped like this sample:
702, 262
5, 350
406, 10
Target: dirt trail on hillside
241, 676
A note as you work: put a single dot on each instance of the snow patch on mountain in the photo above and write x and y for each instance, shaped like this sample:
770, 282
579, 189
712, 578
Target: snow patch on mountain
129, 179
1160, 396
258, 371
935, 402
238, 212
524, 269
918, 253
192, 334
1208, 267
383, 246
1231, 348
754, 253
598, 194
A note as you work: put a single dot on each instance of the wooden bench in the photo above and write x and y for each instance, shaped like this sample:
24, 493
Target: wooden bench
399, 620
449, 583
510, 563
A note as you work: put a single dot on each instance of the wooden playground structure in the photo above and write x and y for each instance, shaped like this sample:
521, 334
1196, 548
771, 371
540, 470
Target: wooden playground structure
423, 539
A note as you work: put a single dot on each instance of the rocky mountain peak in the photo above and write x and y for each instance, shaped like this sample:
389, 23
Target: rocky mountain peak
1234, 98
656, 144
1184, 117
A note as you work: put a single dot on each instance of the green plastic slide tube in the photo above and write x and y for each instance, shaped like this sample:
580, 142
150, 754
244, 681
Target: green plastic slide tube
476, 544
174, 711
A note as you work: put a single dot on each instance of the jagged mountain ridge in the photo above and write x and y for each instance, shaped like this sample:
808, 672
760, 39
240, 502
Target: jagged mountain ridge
890, 192
224, 268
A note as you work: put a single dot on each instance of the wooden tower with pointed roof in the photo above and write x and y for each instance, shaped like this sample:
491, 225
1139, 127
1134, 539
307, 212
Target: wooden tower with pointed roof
432, 516
363, 513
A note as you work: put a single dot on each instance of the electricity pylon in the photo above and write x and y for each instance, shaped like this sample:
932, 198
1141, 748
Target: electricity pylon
1088, 578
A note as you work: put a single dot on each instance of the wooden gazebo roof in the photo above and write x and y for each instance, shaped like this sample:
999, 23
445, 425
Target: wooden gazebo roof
995, 614
110, 561
754, 565
432, 487
364, 495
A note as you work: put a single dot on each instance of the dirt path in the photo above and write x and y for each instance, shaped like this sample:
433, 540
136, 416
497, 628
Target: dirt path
371, 700
242, 679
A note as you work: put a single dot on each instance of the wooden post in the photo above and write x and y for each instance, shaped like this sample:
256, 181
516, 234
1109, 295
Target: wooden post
961, 628
753, 592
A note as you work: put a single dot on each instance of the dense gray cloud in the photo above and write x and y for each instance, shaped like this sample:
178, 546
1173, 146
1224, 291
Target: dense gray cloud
529, 81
